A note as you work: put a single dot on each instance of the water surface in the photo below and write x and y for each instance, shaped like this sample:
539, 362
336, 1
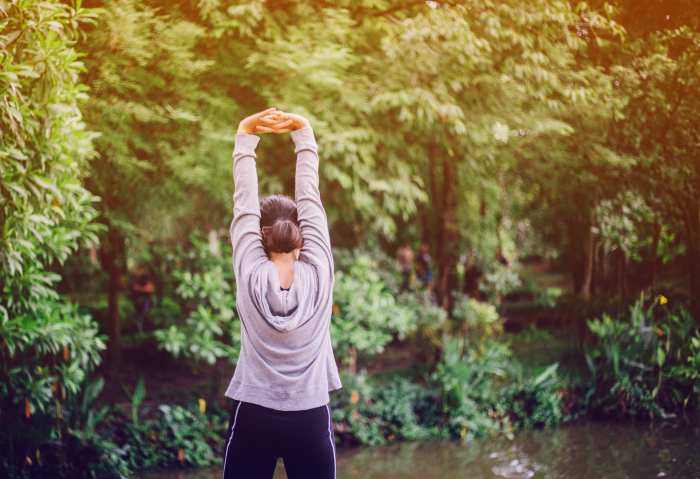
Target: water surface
588, 450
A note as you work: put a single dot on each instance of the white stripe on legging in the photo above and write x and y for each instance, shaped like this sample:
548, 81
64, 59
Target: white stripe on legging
330, 436
235, 416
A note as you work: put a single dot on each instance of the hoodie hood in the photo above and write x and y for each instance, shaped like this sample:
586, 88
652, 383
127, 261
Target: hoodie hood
284, 310
281, 303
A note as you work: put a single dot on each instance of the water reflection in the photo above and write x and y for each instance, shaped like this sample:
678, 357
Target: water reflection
590, 450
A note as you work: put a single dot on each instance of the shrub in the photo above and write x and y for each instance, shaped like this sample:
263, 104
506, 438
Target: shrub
204, 291
478, 320
467, 378
536, 401
645, 364
366, 315
168, 435
370, 412
47, 347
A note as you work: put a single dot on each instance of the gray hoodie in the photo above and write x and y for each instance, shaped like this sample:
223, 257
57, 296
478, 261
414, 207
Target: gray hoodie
286, 360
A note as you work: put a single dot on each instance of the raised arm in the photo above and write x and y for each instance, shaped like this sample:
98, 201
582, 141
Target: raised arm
246, 238
311, 214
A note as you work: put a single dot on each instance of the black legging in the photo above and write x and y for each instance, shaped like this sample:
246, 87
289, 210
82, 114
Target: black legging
257, 436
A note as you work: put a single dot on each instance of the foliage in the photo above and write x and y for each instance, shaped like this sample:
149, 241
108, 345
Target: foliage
366, 316
205, 293
47, 346
186, 431
536, 401
481, 126
372, 412
431, 321
499, 282
144, 74
467, 378
78, 449
644, 364
626, 222
478, 320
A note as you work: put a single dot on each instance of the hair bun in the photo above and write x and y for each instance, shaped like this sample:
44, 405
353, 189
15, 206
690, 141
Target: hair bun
283, 236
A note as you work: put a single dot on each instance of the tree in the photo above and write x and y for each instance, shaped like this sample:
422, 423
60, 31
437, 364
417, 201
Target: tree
144, 74
47, 348
662, 132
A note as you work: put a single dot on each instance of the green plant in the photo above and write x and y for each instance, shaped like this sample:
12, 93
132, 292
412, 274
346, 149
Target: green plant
189, 437
536, 401
210, 329
468, 378
366, 316
642, 364
371, 412
478, 320
89, 452
47, 347
499, 281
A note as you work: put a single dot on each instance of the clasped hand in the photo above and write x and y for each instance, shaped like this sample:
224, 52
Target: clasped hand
272, 120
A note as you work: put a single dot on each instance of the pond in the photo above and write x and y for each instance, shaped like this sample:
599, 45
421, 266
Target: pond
589, 450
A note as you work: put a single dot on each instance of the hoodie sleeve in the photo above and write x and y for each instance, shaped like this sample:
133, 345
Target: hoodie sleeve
312, 216
246, 238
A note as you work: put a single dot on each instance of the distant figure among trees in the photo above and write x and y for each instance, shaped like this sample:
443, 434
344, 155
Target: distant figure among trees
142, 287
404, 257
424, 267
472, 276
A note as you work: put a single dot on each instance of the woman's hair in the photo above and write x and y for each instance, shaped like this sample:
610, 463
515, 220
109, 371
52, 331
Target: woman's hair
279, 224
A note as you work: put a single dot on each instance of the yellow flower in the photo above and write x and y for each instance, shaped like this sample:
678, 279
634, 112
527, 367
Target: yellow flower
662, 299
354, 397
202, 406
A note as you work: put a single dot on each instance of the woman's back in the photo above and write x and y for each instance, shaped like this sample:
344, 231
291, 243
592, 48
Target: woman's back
286, 360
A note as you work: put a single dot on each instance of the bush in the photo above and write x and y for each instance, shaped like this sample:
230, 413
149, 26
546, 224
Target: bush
536, 401
366, 315
168, 435
467, 378
47, 347
369, 412
645, 364
478, 320
204, 292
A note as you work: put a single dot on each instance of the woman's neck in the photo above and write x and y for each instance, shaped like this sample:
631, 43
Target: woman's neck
284, 262
283, 258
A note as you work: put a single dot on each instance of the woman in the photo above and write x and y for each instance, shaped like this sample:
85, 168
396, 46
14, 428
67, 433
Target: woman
283, 266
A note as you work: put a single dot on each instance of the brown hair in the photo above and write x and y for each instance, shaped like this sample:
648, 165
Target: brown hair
279, 224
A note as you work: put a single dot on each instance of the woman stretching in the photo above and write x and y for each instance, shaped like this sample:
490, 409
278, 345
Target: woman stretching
283, 266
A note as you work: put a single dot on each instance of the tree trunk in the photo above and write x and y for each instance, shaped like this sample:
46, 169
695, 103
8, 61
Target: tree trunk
574, 253
589, 250
429, 234
112, 257
655, 255
449, 233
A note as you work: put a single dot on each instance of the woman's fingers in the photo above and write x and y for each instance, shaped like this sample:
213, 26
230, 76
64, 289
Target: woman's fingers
264, 112
271, 119
274, 124
267, 129
283, 124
